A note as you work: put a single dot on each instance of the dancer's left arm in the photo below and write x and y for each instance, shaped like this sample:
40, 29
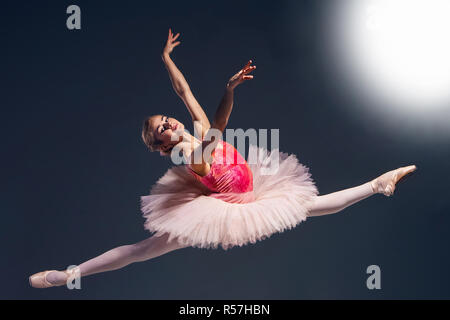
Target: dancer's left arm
226, 104
224, 111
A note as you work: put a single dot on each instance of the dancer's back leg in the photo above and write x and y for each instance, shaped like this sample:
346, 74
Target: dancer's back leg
120, 257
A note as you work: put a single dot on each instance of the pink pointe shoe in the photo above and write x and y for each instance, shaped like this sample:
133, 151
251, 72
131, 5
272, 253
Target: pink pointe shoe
385, 183
39, 280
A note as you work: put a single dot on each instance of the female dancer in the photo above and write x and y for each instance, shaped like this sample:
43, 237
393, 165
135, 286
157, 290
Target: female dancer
220, 199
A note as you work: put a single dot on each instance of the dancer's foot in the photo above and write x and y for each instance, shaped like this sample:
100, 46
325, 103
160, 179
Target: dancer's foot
385, 183
51, 278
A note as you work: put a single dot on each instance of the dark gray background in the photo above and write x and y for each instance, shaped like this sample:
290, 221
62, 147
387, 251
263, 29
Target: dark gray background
74, 166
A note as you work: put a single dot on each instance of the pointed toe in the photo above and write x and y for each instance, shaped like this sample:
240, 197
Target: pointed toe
39, 280
387, 183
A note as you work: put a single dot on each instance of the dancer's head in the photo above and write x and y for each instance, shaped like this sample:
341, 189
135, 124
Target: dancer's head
159, 134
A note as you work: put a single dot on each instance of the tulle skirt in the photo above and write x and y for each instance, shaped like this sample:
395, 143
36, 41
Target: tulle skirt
184, 208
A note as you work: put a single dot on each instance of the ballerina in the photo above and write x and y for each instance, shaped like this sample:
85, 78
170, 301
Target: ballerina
220, 200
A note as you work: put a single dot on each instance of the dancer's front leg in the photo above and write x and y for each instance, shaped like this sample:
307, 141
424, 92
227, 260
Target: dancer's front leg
118, 258
337, 201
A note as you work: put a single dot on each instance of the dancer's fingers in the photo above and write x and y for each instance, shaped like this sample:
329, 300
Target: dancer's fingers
176, 43
245, 67
248, 77
175, 38
242, 71
249, 69
248, 63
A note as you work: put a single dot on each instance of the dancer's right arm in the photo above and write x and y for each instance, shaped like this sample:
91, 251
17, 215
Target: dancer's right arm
226, 104
213, 136
182, 88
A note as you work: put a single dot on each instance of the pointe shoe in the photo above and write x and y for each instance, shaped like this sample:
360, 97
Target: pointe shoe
386, 183
39, 280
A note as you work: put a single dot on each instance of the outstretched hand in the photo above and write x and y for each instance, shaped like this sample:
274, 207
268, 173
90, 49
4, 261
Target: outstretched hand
241, 76
170, 44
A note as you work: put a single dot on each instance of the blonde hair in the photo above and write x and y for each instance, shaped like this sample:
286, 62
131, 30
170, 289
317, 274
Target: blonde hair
148, 136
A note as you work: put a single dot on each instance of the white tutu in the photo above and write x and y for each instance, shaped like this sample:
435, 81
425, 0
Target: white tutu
184, 208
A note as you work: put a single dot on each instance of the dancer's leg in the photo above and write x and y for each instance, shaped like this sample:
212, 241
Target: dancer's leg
120, 257
337, 201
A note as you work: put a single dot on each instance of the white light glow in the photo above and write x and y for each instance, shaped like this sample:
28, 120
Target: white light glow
396, 51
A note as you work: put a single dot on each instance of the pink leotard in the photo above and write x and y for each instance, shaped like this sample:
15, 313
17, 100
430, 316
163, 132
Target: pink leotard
229, 172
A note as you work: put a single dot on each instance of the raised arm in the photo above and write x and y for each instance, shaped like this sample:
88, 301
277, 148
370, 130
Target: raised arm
223, 112
226, 104
181, 86
208, 145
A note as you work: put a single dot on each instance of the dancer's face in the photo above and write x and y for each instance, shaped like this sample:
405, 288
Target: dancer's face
164, 128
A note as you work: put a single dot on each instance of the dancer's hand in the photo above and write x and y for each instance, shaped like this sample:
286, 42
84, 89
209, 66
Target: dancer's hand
170, 44
241, 76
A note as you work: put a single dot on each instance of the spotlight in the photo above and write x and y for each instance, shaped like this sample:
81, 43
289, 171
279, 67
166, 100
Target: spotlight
397, 52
